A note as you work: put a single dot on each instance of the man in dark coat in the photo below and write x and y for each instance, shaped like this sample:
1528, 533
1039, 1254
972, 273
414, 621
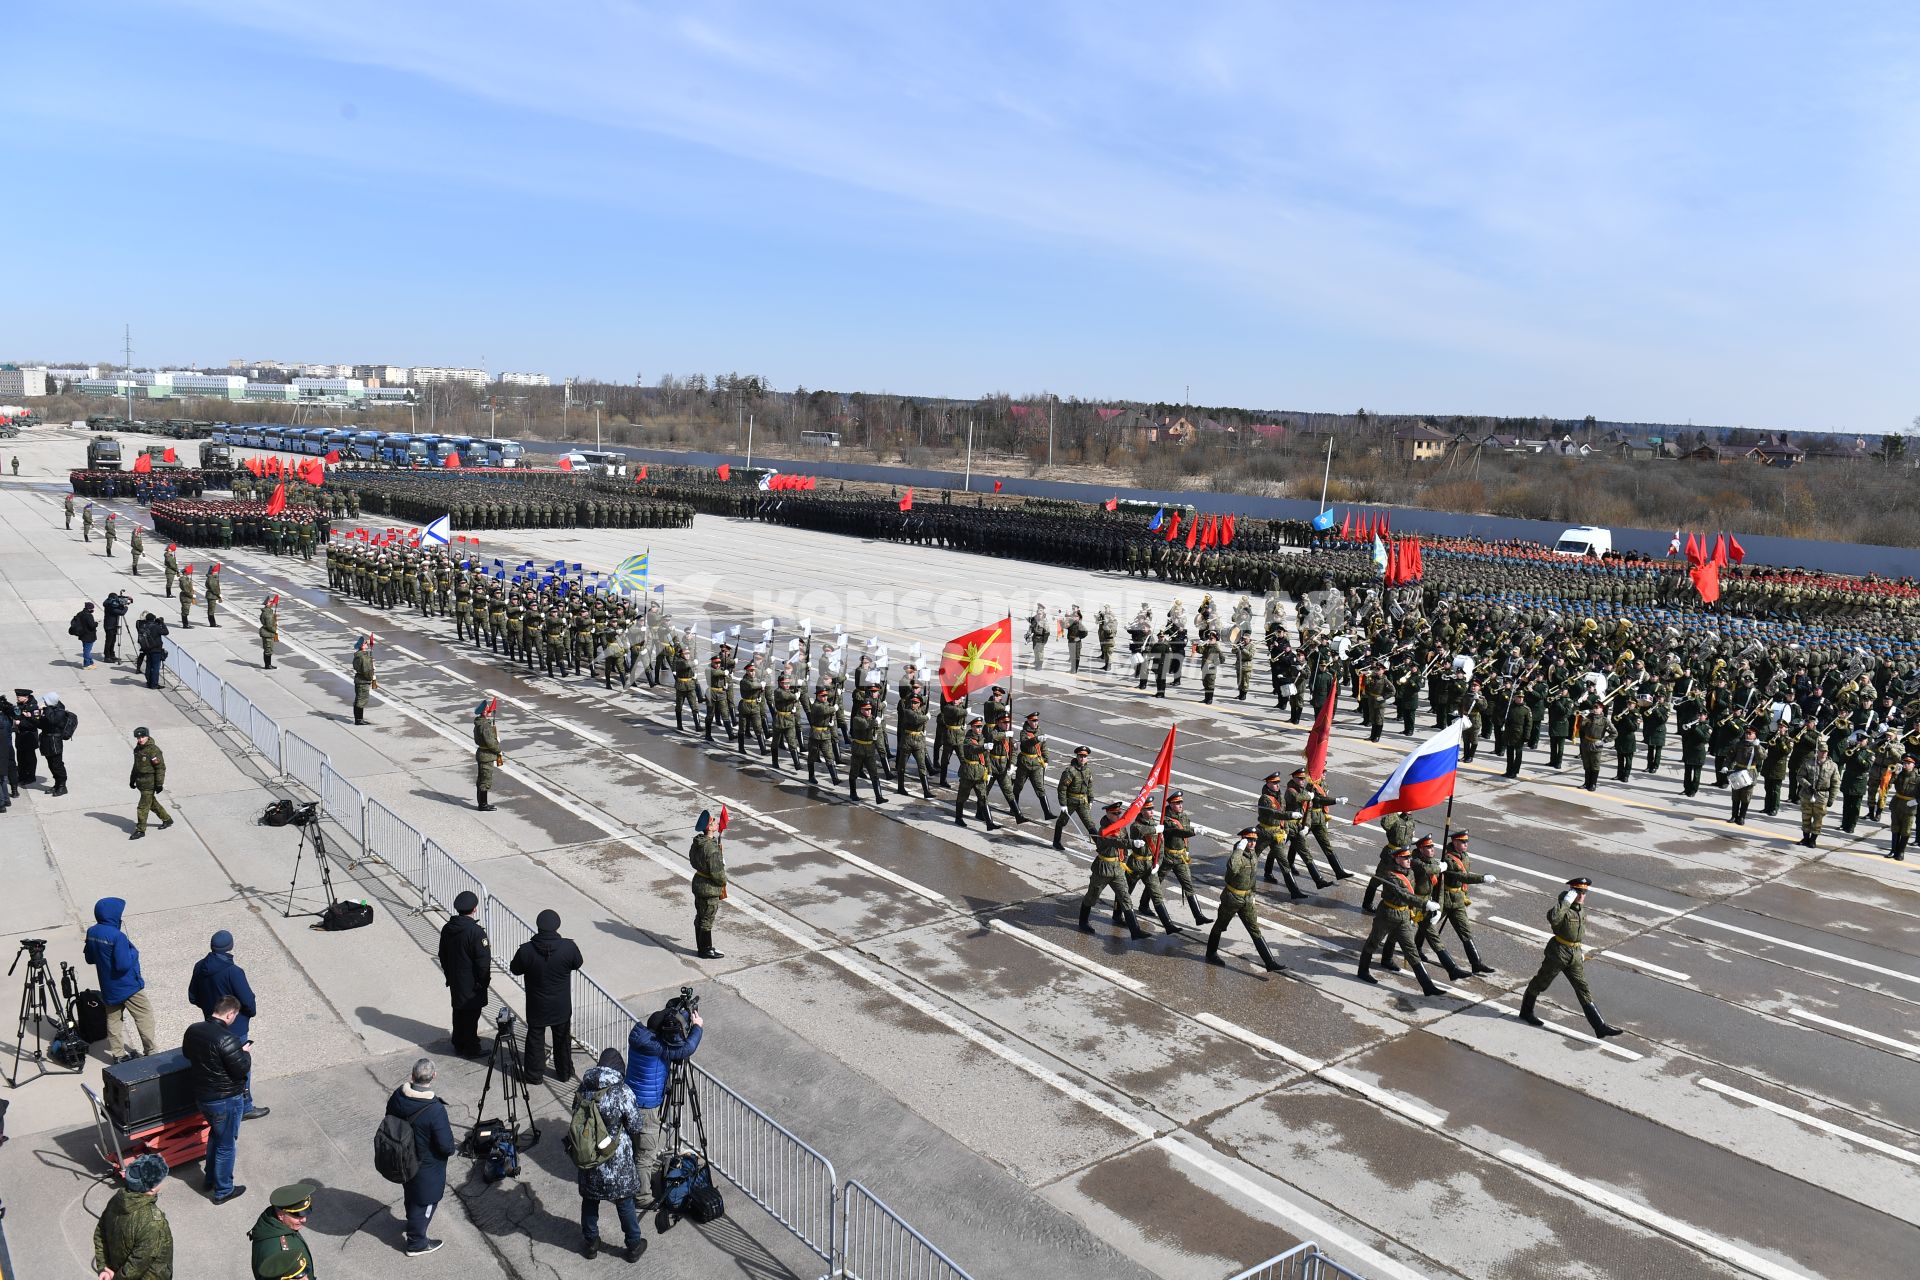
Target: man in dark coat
217, 975
8, 787
57, 724
545, 963
218, 1069
466, 960
26, 739
415, 1103
151, 631
85, 628
114, 610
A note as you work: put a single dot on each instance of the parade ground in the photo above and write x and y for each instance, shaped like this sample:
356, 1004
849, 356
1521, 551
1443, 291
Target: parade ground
915, 1000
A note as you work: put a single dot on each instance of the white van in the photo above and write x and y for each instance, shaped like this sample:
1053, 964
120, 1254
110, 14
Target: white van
1585, 540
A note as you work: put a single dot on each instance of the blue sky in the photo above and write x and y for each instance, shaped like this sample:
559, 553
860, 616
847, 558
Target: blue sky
1638, 211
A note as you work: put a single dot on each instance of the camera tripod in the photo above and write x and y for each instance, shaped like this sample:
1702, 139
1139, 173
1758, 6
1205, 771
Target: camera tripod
309, 820
505, 1061
40, 1001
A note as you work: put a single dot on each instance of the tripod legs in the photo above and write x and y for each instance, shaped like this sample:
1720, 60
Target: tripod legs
40, 1003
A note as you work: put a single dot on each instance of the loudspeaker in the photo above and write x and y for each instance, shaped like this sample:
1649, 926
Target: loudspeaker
148, 1091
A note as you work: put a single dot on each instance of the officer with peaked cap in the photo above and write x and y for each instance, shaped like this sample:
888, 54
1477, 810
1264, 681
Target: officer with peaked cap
279, 1250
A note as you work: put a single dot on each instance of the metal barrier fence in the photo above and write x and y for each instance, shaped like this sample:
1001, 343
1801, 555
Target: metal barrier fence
398, 843
302, 761
265, 734
446, 876
850, 1229
795, 1184
877, 1244
1302, 1262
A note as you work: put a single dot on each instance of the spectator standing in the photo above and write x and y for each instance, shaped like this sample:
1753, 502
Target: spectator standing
215, 976
653, 1046
546, 962
86, 629
218, 1069
114, 611
57, 725
433, 1141
614, 1178
466, 959
132, 1240
151, 631
26, 739
116, 961
8, 787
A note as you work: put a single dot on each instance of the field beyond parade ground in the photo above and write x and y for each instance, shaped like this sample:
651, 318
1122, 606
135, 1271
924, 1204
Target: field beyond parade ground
915, 1001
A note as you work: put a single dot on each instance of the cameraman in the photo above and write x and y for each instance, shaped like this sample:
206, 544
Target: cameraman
668, 1036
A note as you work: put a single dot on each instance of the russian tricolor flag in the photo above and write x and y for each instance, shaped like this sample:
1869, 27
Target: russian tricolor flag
1424, 778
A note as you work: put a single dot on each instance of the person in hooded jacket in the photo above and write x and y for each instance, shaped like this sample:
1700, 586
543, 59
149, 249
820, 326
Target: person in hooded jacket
433, 1141
26, 739
545, 963
8, 787
217, 975
615, 1178
54, 732
652, 1047
116, 961
151, 631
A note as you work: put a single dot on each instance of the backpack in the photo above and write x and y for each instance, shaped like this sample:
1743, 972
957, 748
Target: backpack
588, 1141
69, 726
395, 1153
278, 814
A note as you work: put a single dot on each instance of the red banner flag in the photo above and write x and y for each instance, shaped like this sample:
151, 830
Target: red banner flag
167, 455
906, 503
996, 486
1161, 775
1695, 557
1346, 527
1226, 533
1392, 578
1322, 731
1706, 580
1385, 527
643, 471
1113, 503
453, 460
1735, 552
1173, 527
976, 659
278, 502
1193, 531
142, 464
566, 462
1719, 550
333, 455
725, 471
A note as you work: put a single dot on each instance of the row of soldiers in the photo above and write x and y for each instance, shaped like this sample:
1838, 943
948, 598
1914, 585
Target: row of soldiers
512, 500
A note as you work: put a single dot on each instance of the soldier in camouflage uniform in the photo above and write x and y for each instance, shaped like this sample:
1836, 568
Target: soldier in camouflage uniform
1237, 901
1108, 873
487, 755
709, 883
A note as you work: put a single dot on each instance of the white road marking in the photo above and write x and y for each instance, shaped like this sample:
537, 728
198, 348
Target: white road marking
1571, 1033
406, 653
1648, 965
1684, 1232
1767, 1104
455, 674
1905, 1046
1290, 1056
1418, 1114
1078, 961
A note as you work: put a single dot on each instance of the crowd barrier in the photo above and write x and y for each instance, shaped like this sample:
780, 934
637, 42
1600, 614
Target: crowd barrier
1302, 1262
793, 1183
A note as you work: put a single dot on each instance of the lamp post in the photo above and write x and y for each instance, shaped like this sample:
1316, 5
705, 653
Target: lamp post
749, 440
597, 406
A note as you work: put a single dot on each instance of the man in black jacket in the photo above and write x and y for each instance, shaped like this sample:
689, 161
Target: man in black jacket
467, 962
56, 726
545, 962
114, 608
219, 1068
26, 739
433, 1142
86, 629
151, 631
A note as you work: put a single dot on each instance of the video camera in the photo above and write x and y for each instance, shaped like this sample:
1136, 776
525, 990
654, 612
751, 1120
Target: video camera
674, 1021
35, 949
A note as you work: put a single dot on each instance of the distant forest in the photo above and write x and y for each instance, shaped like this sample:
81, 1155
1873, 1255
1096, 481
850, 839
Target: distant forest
1840, 487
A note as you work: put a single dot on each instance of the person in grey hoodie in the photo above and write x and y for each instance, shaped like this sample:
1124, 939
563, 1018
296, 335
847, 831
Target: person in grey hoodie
615, 1178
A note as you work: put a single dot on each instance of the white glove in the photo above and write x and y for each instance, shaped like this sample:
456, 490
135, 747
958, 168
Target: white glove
1159, 827
1433, 908
1566, 898
1490, 880
1341, 800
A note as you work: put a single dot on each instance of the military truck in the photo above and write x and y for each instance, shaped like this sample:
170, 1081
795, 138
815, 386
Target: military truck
103, 453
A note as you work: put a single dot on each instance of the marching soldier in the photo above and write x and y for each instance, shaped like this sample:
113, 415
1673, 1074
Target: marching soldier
1236, 901
1106, 627
1308, 800
1567, 919
364, 682
212, 590
709, 882
149, 778
1773, 768
1696, 737
910, 743
1626, 742
1001, 752
1906, 798
136, 547
863, 733
1243, 663
719, 705
1075, 792
1653, 728
1038, 632
1819, 783
1742, 760
1429, 874
1209, 666
1374, 687
753, 708
786, 723
949, 734
67, 505
1030, 768
1516, 730
1272, 824
171, 563
186, 597
1560, 719
1107, 872
487, 755
1143, 862
1176, 832
1456, 876
819, 736
973, 781
1076, 635
685, 692
1400, 909
1398, 829
269, 630
1593, 730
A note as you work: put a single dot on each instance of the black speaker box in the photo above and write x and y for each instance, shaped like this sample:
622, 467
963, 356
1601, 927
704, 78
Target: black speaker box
148, 1091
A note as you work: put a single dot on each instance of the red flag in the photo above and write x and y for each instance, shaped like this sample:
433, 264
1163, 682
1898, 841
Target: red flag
1695, 557
1706, 580
1113, 503
167, 456
1173, 527
996, 486
1719, 550
253, 465
1161, 775
333, 455
453, 459
1226, 532
142, 464
1392, 578
725, 471
1735, 552
1346, 527
1419, 563
1384, 526
906, 503
976, 659
278, 502
1193, 531
566, 463
1322, 730
720, 825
